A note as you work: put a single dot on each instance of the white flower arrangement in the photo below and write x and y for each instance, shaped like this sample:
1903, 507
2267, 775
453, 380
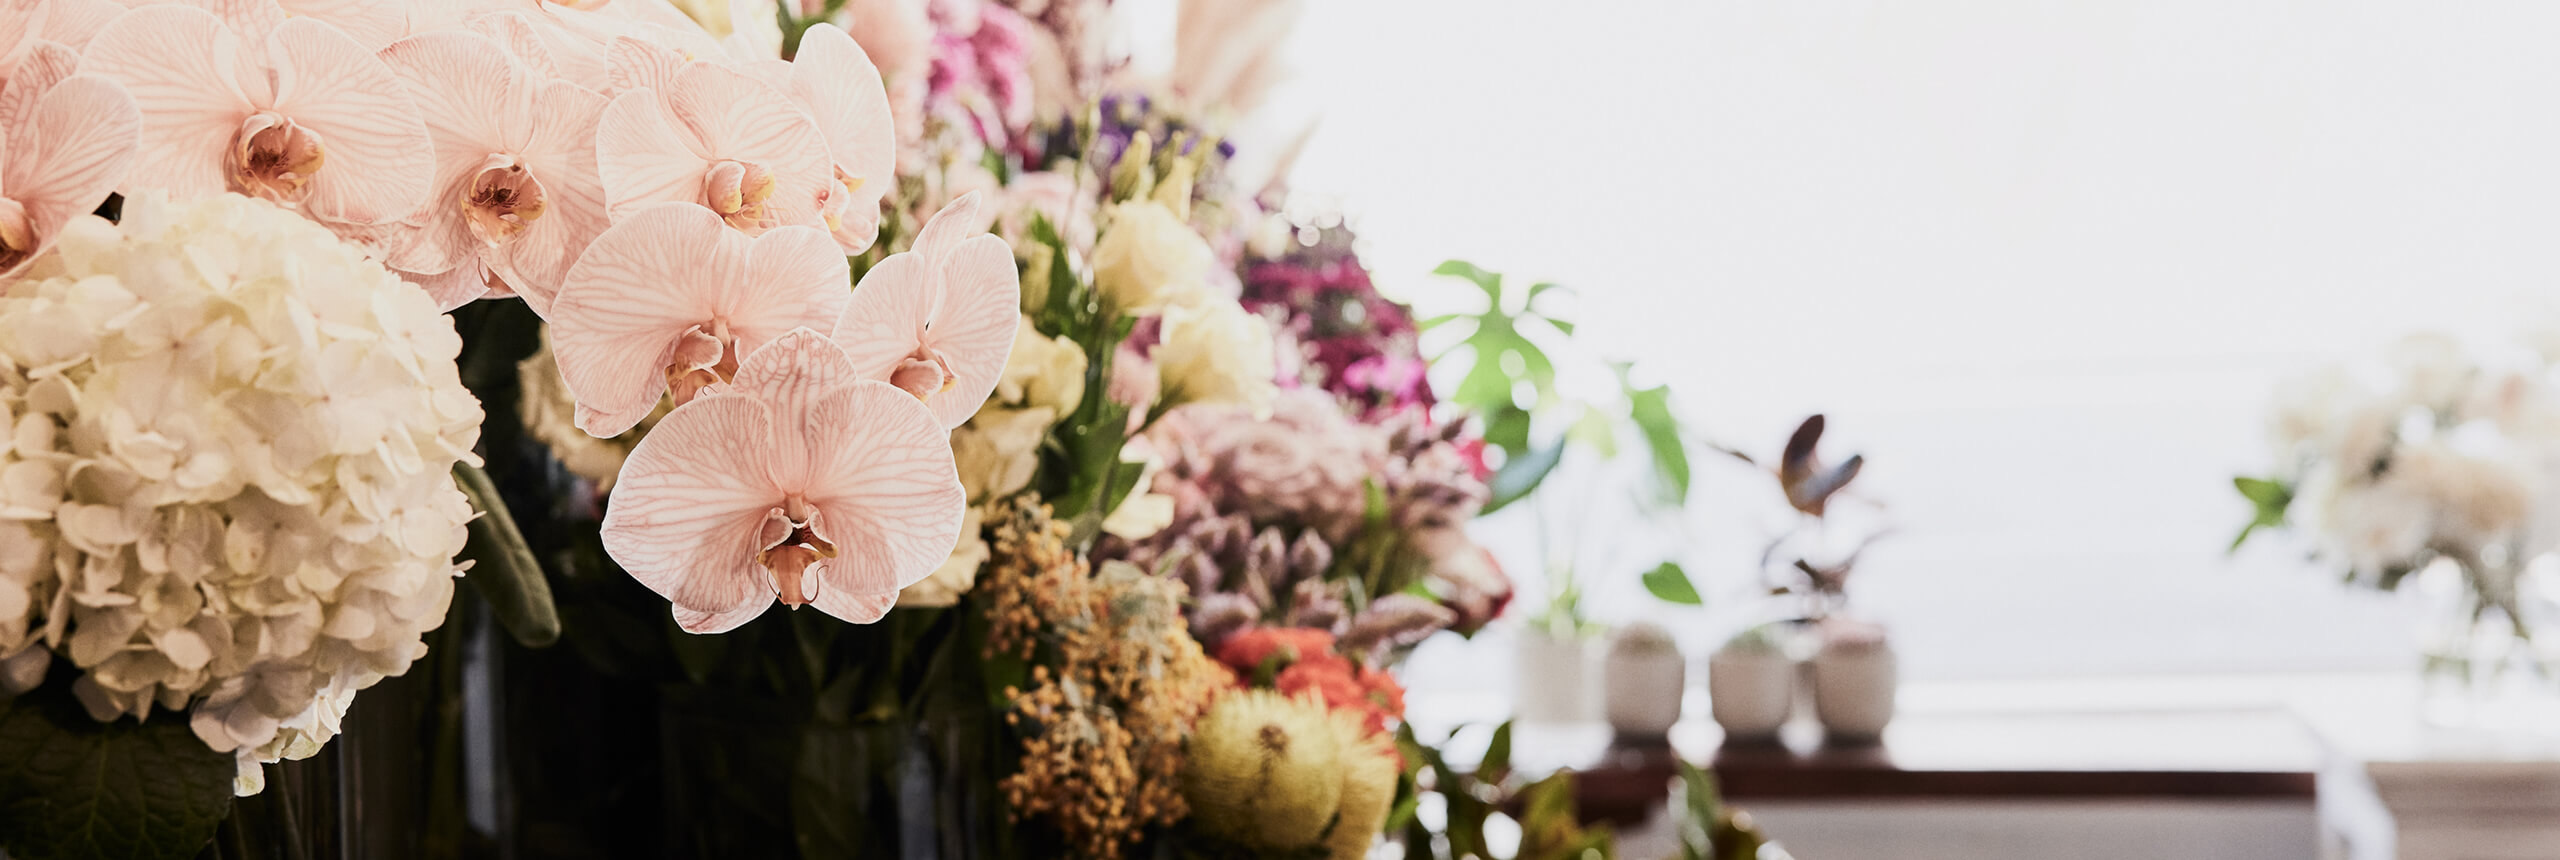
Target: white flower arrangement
228, 479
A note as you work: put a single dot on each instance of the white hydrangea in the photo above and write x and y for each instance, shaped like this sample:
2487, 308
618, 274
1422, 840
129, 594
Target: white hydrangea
227, 482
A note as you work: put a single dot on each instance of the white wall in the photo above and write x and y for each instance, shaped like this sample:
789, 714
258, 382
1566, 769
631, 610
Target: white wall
2039, 260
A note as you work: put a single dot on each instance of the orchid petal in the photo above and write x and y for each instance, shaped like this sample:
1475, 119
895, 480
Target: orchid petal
381, 161
252, 19
74, 22
882, 479
372, 23
734, 116
466, 282
517, 34
884, 319
21, 21
45, 65
795, 278
975, 326
722, 622
563, 156
842, 90
848, 606
792, 375
685, 513
180, 64
460, 83
630, 297
75, 148
641, 158
944, 232
637, 65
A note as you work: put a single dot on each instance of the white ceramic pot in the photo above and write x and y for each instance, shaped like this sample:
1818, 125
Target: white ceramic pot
1750, 693
1555, 683
1644, 676
1853, 689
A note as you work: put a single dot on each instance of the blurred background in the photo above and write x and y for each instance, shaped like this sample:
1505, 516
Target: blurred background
2041, 262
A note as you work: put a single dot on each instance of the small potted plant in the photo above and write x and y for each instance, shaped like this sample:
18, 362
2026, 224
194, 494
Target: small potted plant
1645, 676
1751, 685
1853, 670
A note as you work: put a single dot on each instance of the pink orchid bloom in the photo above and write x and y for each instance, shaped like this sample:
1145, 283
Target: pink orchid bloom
516, 193
938, 321
72, 22
292, 110
703, 133
798, 482
670, 300
68, 141
833, 80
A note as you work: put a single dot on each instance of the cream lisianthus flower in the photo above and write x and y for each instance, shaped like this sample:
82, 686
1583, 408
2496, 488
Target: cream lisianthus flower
1042, 372
998, 450
1148, 258
1217, 353
233, 435
957, 575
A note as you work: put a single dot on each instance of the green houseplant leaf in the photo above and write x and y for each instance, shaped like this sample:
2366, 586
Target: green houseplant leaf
1670, 584
2270, 498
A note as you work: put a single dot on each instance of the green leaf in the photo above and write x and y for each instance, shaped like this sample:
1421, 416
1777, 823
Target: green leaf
1430, 323
72, 787
1489, 282
1507, 428
1670, 584
503, 569
1650, 408
1521, 476
1595, 431
1496, 763
1560, 325
2270, 498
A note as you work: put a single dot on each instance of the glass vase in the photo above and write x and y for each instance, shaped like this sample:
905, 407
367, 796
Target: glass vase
2482, 666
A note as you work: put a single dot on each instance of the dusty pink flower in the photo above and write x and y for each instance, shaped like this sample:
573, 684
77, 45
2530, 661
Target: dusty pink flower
289, 109
938, 321
516, 192
670, 300
799, 481
836, 84
72, 22
703, 133
64, 141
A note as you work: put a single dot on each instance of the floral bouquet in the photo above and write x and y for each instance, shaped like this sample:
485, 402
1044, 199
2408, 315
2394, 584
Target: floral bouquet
1113, 494
2429, 457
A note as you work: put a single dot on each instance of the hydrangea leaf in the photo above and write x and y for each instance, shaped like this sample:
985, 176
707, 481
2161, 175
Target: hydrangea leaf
72, 787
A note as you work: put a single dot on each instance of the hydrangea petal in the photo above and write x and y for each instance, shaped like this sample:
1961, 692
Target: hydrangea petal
881, 476
685, 514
